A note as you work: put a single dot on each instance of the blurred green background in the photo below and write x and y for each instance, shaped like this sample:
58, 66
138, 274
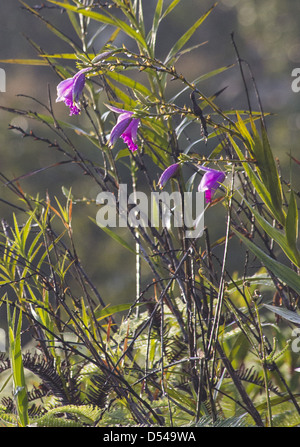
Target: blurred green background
267, 33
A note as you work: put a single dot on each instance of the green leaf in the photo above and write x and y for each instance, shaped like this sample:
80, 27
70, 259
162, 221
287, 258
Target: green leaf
255, 280
131, 83
87, 414
122, 153
24, 61
181, 397
259, 186
123, 97
68, 56
155, 24
73, 20
151, 133
291, 227
267, 170
20, 390
170, 8
139, 13
111, 310
115, 236
157, 15
118, 239
108, 19
293, 317
241, 125
52, 28
186, 36
281, 271
212, 73
96, 34
279, 237
201, 78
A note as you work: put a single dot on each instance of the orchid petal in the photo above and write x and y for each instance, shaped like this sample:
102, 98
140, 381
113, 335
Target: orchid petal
78, 84
168, 173
64, 89
70, 89
117, 110
126, 128
118, 129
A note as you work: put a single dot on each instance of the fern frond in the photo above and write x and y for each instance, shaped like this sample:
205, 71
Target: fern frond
97, 394
8, 404
248, 375
52, 421
69, 416
156, 316
4, 362
176, 349
46, 371
238, 421
36, 411
7, 418
37, 393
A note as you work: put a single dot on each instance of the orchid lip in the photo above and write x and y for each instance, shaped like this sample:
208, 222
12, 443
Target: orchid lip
210, 182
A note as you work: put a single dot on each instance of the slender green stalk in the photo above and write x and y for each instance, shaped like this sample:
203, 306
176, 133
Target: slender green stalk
263, 359
20, 388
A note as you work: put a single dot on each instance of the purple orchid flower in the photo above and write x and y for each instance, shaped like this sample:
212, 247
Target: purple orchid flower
126, 128
210, 181
70, 90
168, 173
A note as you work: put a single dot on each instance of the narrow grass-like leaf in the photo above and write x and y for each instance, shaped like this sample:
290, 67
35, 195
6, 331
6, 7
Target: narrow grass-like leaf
291, 227
132, 84
100, 314
212, 73
189, 49
68, 56
259, 186
24, 61
241, 125
170, 8
139, 13
280, 237
293, 317
267, 183
185, 38
155, 24
122, 153
255, 280
51, 27
20, 390
115, 237
73, 20
109, 20
96, 33
118, 239
128, 102
281, 271
267, 170
157, 15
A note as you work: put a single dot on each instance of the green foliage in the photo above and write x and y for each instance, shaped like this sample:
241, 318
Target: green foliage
192, 346
20, 392
75, 416
282, 272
